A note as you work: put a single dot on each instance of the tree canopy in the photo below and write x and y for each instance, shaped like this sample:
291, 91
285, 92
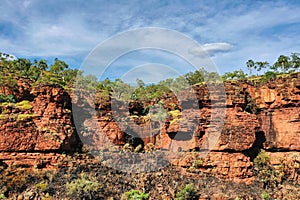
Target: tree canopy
59, 72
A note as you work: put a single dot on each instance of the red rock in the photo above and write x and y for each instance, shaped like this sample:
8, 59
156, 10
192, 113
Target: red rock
45, 127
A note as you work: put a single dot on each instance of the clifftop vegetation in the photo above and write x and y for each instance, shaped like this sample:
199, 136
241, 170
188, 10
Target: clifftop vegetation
39, 71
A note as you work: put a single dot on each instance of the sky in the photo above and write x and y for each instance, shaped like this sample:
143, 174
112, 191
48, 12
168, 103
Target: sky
231, 32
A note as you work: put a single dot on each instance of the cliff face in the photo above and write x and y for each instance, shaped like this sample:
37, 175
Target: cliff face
38, 128
269, 111
257, 116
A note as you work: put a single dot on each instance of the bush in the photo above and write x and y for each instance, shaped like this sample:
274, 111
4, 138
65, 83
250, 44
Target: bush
7, 98
25, 105
265, 171
21, 117
150, 147
83, 187
135, 195
197, 163
265, 195
269, 75
42, 186
187, 193
2, 196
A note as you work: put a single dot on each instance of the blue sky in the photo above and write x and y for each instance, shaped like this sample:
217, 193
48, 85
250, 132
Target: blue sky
231, 31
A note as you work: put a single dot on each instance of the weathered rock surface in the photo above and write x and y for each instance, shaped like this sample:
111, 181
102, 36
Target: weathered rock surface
231, 166
46, 125
257, 115
21, 91
287, 161
281, 128
28, 160
250, 116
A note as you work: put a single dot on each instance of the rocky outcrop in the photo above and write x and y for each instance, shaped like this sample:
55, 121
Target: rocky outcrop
281, 128
231, 166
42, 125
257, 115
21, 89
247, 115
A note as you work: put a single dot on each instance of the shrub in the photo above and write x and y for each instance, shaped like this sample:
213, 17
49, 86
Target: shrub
265, 171
128, 147
197, 163
21, 117
7, 98
150, 147
2, 196
83, 187
42, 186
187, 193
269, 75
25, 105
135, 195
265, 195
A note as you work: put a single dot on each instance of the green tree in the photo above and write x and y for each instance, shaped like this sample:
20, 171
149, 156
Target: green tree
140, 83
40, 67
261, 65
34, 73
235, 75
69, 76
295, 61
213, 76
122, 90
21, 66
41, 64
58, 66
282, 64
250, 64
196, 77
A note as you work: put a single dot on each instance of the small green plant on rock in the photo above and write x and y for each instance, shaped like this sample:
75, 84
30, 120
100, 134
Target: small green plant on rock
83, 187
42, 186
197, 163
265, 195
265, 172
150, 147
2, 116
135, 195
251, 106
187, 193
25, 105
21, 117
7, 98
128, 147
2, 196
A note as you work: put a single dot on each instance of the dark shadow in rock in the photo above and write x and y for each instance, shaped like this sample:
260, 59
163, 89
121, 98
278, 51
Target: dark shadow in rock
260, 138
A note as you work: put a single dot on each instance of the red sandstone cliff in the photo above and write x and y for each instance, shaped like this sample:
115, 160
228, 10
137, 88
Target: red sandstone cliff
32, 132
257, 116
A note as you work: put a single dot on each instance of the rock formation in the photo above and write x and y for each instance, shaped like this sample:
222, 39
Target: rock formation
37, 127
256, 116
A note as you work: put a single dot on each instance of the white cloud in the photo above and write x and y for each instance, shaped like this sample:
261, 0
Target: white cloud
150, 73
164, 41
211, 49
68, 28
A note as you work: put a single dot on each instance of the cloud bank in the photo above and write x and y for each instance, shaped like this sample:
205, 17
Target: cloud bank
231, 32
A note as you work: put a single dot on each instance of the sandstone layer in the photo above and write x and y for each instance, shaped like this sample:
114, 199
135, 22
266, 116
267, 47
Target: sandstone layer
233, 122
